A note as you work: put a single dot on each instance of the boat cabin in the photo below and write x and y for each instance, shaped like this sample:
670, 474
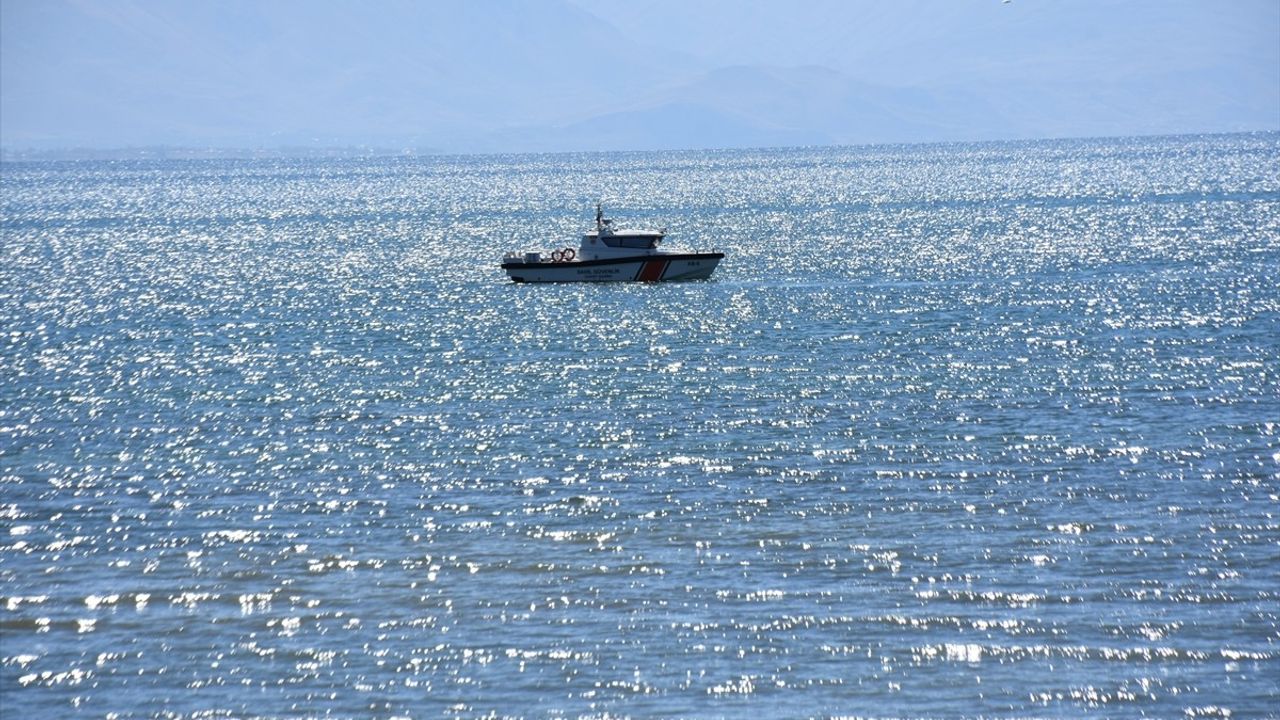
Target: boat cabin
631, 239
624, 239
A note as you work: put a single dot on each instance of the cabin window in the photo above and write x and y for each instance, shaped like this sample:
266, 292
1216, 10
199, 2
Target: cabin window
630, 241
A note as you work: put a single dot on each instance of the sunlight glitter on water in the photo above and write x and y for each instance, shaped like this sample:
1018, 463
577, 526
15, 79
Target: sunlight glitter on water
955, 429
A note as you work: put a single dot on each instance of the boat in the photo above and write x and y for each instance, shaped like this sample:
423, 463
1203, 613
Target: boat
611, 254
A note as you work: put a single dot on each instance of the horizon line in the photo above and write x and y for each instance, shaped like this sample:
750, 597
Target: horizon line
337, 151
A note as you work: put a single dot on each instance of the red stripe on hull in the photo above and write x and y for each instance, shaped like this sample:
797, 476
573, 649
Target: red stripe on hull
652, 271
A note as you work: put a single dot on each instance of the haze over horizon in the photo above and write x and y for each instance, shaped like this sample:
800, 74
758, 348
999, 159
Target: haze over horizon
556, 75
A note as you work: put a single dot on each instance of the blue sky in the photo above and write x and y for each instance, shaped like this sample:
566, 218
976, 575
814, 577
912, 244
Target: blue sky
534, 75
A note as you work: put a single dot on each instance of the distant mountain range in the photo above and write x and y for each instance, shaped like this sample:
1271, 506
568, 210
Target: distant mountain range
547, 75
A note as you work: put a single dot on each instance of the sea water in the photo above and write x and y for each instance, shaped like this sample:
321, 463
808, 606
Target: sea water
953, 431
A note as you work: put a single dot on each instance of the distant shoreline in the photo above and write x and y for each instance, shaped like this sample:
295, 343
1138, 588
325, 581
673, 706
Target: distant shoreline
353, 152
205, 153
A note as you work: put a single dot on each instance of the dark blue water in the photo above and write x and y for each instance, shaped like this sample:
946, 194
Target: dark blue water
955, 431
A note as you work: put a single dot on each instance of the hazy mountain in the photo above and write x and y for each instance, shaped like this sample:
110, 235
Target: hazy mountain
762, 107
976, 69
614, 74
235, 71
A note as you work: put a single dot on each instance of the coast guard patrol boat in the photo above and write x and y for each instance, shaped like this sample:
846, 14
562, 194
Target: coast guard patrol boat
610, 254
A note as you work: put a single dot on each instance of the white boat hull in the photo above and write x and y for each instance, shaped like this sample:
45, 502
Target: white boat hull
664, 267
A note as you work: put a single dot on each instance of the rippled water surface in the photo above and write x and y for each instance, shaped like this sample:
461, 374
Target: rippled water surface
954, 431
